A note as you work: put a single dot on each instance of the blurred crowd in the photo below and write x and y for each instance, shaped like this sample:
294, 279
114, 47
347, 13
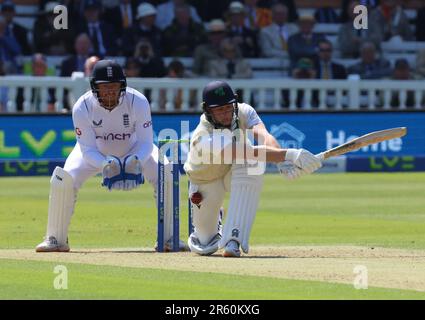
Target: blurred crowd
218, 35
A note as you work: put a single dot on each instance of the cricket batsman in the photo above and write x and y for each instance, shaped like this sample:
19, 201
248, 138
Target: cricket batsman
229, 122
113, 126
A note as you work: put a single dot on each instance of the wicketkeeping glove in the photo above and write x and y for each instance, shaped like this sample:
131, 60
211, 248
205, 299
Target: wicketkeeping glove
112, 177
132, 173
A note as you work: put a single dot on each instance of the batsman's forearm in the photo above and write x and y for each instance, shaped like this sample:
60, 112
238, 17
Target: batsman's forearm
269, 154
265, 138
272, 142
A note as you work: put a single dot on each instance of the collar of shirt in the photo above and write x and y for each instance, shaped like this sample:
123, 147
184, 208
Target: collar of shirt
282, 28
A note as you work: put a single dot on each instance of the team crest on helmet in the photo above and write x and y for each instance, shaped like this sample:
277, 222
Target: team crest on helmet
219, 92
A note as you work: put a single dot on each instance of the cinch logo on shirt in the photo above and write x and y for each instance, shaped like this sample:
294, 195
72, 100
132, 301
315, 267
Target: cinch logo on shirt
114, 136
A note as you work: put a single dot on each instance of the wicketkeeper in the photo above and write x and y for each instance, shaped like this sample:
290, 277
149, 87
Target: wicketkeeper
229, 123
113, 126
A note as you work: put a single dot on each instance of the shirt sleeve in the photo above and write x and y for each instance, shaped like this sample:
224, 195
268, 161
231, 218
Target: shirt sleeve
144, 131
252, 118
86, 138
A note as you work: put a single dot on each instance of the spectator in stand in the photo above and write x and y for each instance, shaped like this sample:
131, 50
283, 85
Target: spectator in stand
327, 69
256, 17
49, 40
89, 65
389, 20
132, 67
303, 69
9, 49
243, 36
304, 43
167, 11
102, 35
183, 35
75, 62
13, 29
402, 72
274, 38
121, 16
206, 52
231, 64
326, 15
176, 70
39, 69
290, 4
143, 28
370, 66
420, 64
151, 66
350, 39
345, 14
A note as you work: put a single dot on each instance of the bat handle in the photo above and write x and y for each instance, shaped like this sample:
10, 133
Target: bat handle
320, 156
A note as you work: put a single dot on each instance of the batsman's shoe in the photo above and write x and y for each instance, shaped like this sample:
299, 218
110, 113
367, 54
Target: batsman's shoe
50, 244
232, 249
203, 250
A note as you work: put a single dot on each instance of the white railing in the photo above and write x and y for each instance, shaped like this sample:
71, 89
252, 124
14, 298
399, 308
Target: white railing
264, 94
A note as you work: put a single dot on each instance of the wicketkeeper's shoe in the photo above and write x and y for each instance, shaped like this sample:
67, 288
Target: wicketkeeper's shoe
232, 249
50, 244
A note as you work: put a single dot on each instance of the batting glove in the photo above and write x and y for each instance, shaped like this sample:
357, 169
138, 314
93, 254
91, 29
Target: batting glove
289, 170
303, 159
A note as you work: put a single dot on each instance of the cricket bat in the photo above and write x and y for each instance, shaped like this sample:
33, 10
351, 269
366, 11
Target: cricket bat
367, 139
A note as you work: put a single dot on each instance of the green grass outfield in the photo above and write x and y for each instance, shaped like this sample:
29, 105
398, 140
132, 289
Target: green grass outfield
370, 210
34, 280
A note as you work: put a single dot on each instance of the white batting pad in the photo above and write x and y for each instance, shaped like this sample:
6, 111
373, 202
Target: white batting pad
61, 205
244, 197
